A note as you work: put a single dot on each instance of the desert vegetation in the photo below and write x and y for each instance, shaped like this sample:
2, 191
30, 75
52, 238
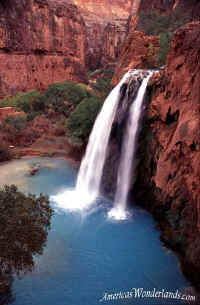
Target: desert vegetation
63, 109
162, 25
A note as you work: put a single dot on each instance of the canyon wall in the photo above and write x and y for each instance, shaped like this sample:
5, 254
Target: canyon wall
136, 49
106, 22
168, 182
139, 50
41, 42
47, 41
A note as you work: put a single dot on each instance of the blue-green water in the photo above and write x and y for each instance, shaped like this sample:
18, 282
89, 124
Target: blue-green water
87, 255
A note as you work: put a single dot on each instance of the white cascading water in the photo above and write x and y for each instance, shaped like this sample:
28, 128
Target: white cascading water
91, 169
127, 163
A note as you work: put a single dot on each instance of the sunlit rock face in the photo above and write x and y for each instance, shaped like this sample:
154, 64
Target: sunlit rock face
41, 42
170, 149
106, 22
46, 41
105, 10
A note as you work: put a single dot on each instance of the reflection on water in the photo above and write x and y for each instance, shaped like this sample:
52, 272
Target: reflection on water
86, 254
24, 225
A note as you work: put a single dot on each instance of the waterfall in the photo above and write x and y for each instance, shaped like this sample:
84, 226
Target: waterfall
124, 98
90, 173
91, 169
127, 161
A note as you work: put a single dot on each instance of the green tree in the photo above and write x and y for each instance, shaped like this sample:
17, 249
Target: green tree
165, 40
63, 97
17, 122
163, 25
81, 120
22, 101
151, 56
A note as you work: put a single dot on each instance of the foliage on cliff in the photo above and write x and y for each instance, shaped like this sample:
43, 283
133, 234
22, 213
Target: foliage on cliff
163, 25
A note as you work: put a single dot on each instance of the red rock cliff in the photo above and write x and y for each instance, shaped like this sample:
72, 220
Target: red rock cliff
41, 42
106, 22
136, 50
136, 54
169, 172
47, 41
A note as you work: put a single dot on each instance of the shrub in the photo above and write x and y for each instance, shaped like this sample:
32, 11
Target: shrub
31, 103
153, 23
165, 40
102, 87
151, 56
22, 101
63, 96
60, 97
13, 128
163, 25
17, 122
81, 120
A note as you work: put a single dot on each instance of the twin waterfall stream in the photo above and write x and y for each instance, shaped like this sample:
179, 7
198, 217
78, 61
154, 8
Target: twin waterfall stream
91, 170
